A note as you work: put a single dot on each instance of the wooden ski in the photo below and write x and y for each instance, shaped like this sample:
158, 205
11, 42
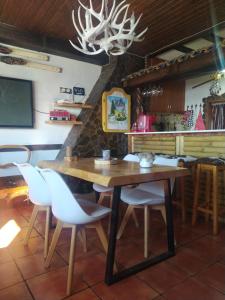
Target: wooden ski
10, 60
23, 53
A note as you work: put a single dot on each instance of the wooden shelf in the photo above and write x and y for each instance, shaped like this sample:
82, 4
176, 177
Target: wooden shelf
64, 122
74, 105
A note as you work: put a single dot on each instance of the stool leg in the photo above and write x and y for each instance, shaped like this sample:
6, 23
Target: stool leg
183, 206
215, 202
146, 230
208, 194
196, 195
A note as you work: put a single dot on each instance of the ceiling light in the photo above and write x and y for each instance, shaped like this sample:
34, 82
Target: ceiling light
110, 30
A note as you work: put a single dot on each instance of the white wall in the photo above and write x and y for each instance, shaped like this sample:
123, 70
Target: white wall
195, 96
45, 89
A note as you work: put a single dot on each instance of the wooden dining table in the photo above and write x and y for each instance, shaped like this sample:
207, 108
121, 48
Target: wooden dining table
117, 175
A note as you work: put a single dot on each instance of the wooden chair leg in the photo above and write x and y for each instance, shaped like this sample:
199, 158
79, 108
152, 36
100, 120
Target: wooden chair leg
102, 236
124, 221
55, 238
101, 198
71, 261
31, 223
135, 218
196, 195
103, 239
47, 225
215, 202
163, 212
83, 238
146, 230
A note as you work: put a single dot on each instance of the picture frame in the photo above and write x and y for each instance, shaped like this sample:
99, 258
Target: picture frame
116, 110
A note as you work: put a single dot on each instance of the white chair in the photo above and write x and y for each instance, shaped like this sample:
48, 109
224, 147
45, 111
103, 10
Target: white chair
108, 192
39, 195
144, 196
74, 213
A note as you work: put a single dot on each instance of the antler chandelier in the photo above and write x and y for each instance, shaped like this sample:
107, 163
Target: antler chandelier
110, 30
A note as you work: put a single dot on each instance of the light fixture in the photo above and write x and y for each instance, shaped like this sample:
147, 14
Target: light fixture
110, 30
152, 90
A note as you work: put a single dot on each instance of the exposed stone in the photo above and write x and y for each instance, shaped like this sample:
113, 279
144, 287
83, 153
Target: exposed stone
89, 139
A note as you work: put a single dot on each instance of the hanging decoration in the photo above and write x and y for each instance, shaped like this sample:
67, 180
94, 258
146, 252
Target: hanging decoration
199, 125
11, 60
110, 30
24, 53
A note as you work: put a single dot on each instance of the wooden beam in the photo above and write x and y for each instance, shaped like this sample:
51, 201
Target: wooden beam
183, 49
184, 69
13, 36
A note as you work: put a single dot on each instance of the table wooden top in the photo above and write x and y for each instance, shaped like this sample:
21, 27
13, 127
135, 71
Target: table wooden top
122, 173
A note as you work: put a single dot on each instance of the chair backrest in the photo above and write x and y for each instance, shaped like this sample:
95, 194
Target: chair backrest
131, 157
164, 161
38, 189
65, 207
15, 147
157, 187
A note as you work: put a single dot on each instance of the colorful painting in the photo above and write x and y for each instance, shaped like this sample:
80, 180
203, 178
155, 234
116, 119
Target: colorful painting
116, 111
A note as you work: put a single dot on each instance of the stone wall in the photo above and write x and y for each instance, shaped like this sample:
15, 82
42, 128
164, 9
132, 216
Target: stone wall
89, 139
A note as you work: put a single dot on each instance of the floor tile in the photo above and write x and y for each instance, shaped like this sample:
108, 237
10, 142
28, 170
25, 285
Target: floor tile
35, 245
16, 292
84, 295
163, 276
9, 275
129, 254
184, 235
5, 256
127, 289
188, 261
64, 249
191, 289
91, 269
52, 285
20, 237
214, 276
208, 249
33, 265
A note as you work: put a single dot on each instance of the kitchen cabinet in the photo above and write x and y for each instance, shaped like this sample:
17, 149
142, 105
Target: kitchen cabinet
172, 100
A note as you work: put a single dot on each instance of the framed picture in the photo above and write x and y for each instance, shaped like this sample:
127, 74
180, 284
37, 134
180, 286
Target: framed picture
116, 111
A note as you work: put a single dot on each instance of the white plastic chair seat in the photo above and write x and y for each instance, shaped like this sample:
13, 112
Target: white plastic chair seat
136, 196
102, 189
92, 209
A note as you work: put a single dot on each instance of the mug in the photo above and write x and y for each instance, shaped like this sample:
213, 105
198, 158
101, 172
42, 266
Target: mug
106, 154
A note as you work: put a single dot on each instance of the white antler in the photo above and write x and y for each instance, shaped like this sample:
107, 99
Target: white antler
114, 31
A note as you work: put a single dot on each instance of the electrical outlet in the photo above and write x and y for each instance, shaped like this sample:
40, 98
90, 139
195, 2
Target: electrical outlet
65, 90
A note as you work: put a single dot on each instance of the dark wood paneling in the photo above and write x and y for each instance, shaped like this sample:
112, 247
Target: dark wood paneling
37, 42
169, 21
35, 148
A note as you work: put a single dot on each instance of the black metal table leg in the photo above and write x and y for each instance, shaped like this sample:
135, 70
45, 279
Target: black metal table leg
112, 235
111, 278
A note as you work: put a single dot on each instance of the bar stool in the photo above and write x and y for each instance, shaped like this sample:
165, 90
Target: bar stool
210, 205
178, 194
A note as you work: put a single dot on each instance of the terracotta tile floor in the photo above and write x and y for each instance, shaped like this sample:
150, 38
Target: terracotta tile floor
197, 272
